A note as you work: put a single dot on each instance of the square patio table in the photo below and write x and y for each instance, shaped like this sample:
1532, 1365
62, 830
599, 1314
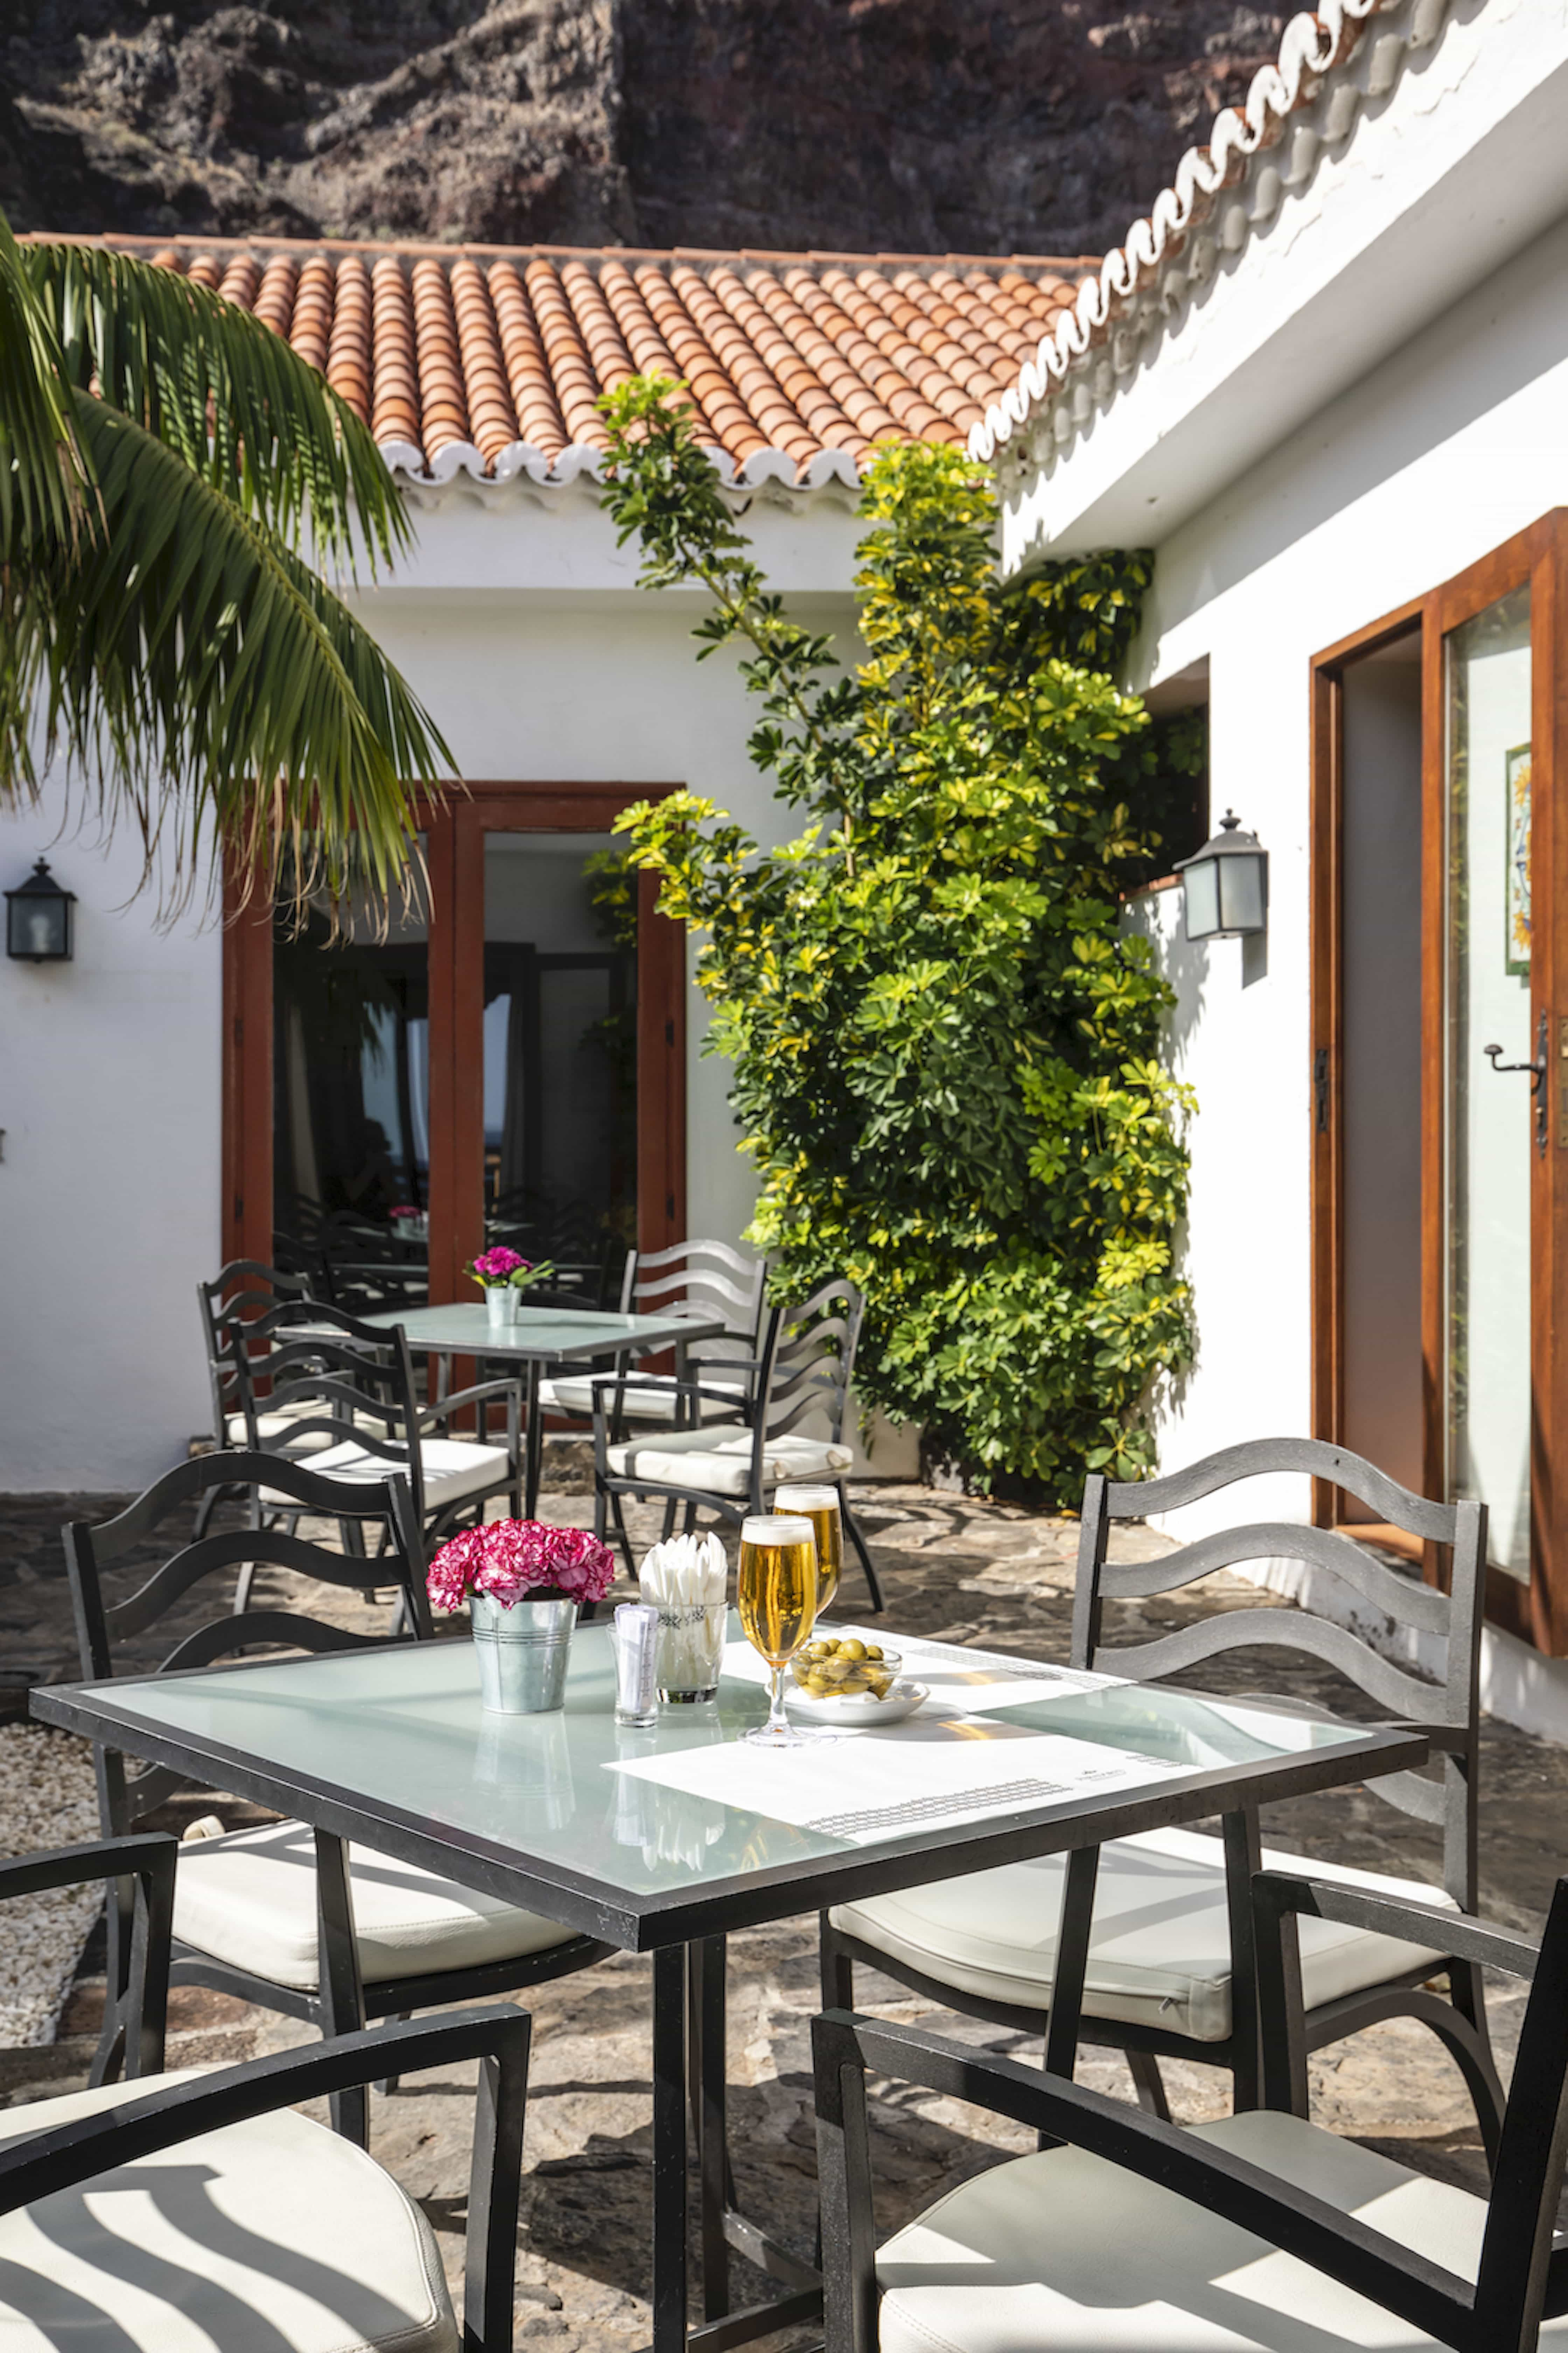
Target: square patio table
544, 1336
390, 1747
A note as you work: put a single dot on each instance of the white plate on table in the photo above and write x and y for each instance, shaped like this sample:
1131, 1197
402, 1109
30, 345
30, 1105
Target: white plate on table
858, 1711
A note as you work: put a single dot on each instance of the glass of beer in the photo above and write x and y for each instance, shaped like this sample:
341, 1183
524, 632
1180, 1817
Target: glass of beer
777, 1598
820, 1506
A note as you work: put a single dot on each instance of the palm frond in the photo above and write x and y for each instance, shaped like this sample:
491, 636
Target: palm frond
238, 403
209, 685
40, 464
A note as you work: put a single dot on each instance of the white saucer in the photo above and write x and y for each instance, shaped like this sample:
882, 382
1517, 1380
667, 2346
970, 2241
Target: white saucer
859, 1708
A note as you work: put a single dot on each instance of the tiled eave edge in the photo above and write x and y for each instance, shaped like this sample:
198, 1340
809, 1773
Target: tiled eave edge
1327, 64
458, 465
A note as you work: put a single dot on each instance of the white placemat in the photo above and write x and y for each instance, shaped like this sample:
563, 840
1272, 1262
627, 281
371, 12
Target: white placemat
974, 1680
933, 1769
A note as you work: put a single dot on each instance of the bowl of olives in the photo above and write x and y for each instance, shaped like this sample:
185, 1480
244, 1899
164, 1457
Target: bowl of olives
844, 1679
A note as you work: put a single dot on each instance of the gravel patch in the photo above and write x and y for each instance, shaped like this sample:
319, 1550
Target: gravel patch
47, 1799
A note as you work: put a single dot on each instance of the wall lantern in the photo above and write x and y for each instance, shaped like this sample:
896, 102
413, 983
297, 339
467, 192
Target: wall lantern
38, 919
1224, 885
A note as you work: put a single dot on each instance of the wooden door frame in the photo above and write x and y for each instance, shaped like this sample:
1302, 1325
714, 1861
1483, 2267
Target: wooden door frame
1539, 1611
455, 855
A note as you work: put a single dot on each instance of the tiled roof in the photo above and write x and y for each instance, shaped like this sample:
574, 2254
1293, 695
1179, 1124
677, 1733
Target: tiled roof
1296, 112
490, 360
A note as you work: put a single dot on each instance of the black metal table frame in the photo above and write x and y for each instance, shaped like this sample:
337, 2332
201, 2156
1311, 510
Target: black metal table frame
685, 1933
602, 1359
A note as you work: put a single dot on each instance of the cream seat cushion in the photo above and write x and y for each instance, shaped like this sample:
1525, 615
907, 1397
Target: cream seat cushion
647, 1400
694, 1458
271, 1427
274, 2234
1160, 1949
454, 1468
1063, 2253
249, 1899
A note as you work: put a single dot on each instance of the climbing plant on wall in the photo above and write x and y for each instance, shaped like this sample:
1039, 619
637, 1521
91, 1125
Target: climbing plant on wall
945, 1047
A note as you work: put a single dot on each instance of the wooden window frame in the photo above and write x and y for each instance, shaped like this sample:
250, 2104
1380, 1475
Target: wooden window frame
1537, 1612
455, 853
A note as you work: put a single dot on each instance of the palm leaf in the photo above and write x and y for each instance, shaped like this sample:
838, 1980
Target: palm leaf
216, 688
239, 405
40, 464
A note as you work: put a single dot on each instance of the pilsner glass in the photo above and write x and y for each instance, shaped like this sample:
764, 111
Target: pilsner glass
820, 1506
777, 1597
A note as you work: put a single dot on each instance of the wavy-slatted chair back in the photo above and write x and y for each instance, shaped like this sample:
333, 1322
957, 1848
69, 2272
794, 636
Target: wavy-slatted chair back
1445, 1627
239, 1294
105, 1627
340, 1383
808, 1359
711, 1279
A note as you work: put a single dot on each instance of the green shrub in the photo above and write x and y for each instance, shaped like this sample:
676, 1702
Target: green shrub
944, 1047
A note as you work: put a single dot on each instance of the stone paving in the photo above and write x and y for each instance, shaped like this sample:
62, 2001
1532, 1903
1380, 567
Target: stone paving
970, 1572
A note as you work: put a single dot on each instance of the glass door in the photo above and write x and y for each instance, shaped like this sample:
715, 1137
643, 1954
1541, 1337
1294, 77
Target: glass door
1495, 1113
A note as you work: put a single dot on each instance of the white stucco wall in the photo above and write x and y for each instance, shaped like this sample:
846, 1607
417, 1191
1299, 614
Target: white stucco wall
109, 1188
519, 623
1440, 455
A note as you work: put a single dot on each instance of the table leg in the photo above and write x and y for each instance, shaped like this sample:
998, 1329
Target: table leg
709, 2103
1242, 1858
1072, 1959
533, 1442
670, 2149
342, 1994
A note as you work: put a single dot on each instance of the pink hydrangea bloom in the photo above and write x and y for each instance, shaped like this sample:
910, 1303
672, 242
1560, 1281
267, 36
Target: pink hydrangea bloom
511, 1559
499, 1265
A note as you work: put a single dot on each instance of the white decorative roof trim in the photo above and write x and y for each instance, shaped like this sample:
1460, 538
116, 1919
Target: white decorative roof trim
1146, 279
521, 459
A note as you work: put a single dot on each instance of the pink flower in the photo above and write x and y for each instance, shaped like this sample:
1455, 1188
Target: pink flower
511, 1559
499, 1265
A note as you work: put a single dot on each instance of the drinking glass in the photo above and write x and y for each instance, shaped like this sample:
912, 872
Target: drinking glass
777, 1598
820, 1506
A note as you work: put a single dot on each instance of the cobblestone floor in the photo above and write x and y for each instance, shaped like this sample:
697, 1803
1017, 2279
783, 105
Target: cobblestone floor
971, 1572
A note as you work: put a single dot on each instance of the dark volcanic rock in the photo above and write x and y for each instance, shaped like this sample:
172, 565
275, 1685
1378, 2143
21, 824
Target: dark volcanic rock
998, 126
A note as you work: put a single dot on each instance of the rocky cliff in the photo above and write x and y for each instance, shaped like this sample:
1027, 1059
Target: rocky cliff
977, 126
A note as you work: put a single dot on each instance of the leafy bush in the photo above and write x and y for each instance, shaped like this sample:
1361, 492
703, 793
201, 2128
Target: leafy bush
944, 1047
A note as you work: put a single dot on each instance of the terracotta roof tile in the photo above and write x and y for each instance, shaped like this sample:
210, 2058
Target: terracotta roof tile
493, 359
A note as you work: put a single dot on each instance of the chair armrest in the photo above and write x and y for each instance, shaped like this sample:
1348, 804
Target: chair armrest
149, 1857
734, 1402
846, 2046
1276, 1893
483, 1393
38, 2165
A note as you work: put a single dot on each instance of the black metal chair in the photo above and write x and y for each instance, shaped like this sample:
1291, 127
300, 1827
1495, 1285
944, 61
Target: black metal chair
173, 2208
247, 1917
1166, 1973
1261, 2233
802, 1375
238, 1295
343, 1392
707, 1279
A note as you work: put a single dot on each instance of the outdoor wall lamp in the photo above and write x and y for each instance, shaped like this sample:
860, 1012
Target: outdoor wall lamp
38, 919
1224, 885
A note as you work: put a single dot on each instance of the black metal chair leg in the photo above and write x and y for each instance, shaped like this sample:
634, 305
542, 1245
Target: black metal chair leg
1149, 2084
838, 1969
389, 2084
622, 1537
340, 1995
851, 1529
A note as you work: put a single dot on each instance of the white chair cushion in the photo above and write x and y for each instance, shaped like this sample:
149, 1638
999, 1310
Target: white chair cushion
1159, 1949
1063, 2253
644, 1400
274, 2234
249, 1899
694, 1458
270, 1427
455, 1468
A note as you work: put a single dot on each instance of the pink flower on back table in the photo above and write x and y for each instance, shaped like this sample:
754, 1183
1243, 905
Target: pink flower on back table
520, 1560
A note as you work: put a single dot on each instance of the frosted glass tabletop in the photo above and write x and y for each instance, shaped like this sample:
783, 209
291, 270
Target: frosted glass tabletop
649, 1836
465, 1329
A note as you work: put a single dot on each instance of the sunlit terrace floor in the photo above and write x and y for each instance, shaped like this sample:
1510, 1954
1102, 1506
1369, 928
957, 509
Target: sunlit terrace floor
968, 1571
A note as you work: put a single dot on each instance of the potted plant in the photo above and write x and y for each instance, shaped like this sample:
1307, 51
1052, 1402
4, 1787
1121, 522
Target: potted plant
523, 1583
504, 1275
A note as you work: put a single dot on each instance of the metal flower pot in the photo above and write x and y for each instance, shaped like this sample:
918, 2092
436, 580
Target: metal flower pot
502, 1301
523, 1650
